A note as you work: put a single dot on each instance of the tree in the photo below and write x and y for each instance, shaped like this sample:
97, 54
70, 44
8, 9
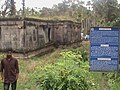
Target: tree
89, 4
8, 8
106, 9
23, 11
12, 8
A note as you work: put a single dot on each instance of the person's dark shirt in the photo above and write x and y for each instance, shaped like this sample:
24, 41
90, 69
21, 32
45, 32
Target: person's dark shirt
10, 68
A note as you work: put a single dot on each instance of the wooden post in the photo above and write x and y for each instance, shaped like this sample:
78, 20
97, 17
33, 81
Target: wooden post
107, 85
102, 82
104, 85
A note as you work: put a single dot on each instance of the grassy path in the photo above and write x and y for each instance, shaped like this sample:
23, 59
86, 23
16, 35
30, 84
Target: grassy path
28, 66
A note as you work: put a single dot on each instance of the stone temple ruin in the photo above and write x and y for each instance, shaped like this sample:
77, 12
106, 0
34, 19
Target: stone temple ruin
29, 36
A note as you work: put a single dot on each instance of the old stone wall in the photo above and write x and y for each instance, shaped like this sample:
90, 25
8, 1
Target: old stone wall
25, 35
37, 35
11, 33
67, 32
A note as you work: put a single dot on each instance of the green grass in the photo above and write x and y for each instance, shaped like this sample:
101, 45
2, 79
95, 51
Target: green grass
30, 71
27, 67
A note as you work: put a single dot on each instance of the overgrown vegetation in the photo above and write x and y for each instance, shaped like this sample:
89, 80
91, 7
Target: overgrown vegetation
67, 9
66, 69
115, 22
68, 73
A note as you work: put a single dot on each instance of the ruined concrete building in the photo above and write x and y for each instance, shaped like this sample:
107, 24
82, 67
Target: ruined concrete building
32, 35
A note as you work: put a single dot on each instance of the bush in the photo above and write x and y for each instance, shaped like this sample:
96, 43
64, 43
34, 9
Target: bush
115, 22
69, 73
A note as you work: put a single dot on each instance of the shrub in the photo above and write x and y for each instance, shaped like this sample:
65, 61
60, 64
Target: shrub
69, 73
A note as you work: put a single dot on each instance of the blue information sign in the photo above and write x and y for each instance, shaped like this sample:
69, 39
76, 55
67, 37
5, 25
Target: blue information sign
104, 49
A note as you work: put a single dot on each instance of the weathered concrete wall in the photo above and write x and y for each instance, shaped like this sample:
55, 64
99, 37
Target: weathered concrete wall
11, 33
25, 35
37, 35
67, 32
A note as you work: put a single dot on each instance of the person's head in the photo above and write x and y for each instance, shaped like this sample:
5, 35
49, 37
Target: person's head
9, 54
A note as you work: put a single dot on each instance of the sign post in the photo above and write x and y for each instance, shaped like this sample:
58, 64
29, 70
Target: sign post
104, 50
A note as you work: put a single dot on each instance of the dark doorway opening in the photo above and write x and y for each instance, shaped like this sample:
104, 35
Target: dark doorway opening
49, 34
0, 32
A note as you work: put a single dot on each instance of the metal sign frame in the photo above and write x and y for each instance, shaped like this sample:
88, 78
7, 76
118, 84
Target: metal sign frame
101, 40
